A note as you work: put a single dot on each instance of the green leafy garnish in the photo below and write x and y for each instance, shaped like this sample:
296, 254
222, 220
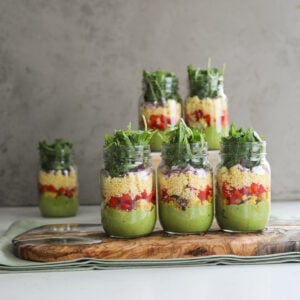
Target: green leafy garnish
184, 145
205, 83
160, 85
242, 147
126, 149
56, 156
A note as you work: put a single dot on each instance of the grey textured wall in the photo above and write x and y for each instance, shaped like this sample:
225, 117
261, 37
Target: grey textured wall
72, 69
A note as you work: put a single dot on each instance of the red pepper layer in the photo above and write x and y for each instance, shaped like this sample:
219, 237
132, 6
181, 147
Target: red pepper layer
159, 122
61, 191
198, 115
126, 202
202, 194
232, 194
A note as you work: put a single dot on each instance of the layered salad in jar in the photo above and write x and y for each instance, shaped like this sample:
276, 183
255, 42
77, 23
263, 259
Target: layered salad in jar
185, 183
128, 207
206, 106
243, 182
160, 104
57, 180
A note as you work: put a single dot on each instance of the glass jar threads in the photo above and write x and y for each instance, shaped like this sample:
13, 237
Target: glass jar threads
160, 104
128, 207
206, 106
243, 182
57, 180
185, 183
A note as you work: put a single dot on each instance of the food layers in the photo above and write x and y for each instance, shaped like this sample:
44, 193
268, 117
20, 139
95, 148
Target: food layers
128, 204
58, 193
160, 115
243, 197
185, 200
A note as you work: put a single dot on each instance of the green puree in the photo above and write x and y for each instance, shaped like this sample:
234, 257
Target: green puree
126, 224
192, 220
243, 217
156, 141
60, 206
213, 136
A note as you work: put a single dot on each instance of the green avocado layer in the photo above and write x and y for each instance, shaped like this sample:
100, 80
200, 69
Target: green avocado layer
60, 206
213, 135
191, 220
127, 224
246, 217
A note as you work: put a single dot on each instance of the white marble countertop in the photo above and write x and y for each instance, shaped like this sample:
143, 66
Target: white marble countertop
211, 282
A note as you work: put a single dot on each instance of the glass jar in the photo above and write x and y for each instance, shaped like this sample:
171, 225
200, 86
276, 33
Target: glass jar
160, 104
128, 207
207, 107
57, 180
243, 187
185, 189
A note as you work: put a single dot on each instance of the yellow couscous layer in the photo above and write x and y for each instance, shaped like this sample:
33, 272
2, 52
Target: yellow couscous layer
239, 177
57, 179
185, 185
214, 107
132, 184
171, 110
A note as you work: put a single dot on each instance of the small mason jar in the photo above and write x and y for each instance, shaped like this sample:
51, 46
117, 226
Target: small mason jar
128, 207
160, 104
57, 181
206, 107
243, 187
185, 189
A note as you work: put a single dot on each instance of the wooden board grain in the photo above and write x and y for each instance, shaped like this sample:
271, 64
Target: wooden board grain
63, 242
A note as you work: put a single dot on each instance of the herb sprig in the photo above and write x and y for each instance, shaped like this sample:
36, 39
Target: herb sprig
159, 86
56, 156
242, 146
205, 83
184, 145
124, 148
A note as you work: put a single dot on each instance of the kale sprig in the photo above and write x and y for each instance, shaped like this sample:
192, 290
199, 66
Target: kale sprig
56, 156
205, 83
124, 149
159, 86
242, 146
184, 145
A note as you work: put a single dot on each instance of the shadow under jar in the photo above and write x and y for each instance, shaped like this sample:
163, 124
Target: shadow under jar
128, 207
185, 189
243, 187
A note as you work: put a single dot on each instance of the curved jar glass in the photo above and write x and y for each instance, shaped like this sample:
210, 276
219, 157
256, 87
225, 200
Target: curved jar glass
128, 206
243, 187
161, 107
185, 189
209, 114
58, 185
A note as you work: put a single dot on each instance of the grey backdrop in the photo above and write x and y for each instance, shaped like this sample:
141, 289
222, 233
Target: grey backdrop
72, 69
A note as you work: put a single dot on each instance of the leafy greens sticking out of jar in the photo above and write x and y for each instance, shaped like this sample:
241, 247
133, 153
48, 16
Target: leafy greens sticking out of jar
124, 150
205, 83
184, 145
160, 86
56, 156
242, 146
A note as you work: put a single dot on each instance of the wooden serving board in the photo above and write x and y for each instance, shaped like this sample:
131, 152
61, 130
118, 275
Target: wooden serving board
61, 242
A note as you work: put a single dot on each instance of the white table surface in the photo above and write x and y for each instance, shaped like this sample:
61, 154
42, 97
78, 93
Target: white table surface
279, 281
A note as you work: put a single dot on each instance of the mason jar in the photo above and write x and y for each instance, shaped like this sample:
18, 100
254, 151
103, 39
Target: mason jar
243, 187
128, 207
206, 107
185, 189
57, 180
160, 104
